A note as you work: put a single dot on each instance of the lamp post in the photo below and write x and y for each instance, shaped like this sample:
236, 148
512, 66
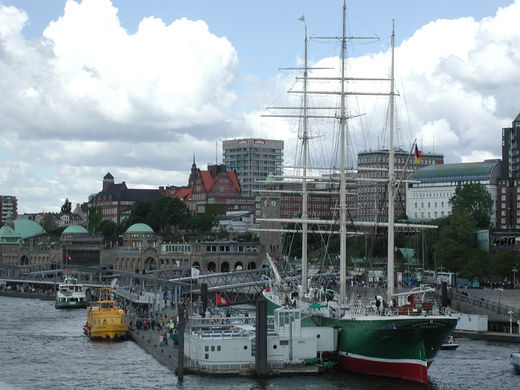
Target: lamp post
514, 276
510, 312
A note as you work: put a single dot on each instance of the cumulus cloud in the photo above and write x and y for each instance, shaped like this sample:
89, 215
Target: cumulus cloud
89, 97
90, 94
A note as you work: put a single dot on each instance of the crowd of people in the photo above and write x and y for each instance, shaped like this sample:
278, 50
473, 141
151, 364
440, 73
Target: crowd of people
22, 288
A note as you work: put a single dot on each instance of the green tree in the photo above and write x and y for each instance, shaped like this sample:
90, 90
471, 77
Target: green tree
139, 213
167, 213
475, 264
95, 217
503, 263
203, 222
48, 223
66, 208
108, 228
456, 238
475, 200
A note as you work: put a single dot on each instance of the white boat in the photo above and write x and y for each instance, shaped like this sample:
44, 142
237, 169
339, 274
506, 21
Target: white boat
71, 294
450, 344
226, 345
515, 361
401, 336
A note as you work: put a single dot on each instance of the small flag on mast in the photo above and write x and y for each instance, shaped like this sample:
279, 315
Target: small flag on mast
302, 18
68, 257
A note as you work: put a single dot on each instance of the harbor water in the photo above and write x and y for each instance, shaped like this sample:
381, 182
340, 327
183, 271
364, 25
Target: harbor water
45, 348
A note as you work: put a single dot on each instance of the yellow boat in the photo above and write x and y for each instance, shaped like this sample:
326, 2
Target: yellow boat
105, 320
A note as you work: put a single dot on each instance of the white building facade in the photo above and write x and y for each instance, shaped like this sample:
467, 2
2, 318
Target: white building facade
429, 199
253, 159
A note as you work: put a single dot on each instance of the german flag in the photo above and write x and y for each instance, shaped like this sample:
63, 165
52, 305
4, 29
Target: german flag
417, 154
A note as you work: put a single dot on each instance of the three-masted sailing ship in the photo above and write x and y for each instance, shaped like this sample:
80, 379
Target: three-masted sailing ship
399, 338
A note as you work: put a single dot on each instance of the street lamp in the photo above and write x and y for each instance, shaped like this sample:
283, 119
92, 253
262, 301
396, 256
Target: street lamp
510, 312
514, 276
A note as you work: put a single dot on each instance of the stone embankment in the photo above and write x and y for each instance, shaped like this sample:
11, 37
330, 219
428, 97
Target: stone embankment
149, 340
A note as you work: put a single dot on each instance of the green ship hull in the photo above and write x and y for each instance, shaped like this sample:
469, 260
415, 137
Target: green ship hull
71, 305
393, 346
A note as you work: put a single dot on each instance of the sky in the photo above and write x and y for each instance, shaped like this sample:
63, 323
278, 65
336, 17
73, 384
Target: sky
138, 88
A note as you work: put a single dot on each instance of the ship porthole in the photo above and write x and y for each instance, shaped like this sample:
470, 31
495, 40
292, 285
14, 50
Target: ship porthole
245, 347
275, 346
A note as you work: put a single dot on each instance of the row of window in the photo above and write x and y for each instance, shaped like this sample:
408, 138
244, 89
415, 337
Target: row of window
230, 248
432, 194
435, 204
184, 248
429, 214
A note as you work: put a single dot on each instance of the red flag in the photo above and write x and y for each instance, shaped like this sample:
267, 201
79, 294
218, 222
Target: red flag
68, 257
222, 301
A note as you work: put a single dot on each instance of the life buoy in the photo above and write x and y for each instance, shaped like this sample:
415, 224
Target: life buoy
409, 298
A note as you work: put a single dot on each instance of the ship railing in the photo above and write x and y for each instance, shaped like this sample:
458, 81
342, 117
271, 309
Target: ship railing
197, 322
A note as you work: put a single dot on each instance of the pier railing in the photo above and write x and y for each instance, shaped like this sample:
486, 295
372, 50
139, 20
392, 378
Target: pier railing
486, 305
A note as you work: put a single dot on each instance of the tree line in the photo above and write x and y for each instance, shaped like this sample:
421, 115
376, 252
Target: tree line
166, 216
453, 246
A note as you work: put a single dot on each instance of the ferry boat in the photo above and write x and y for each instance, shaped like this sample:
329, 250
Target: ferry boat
71, 295
217, 348
105, 320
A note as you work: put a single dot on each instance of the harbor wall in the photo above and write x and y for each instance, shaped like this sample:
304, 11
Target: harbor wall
472, 322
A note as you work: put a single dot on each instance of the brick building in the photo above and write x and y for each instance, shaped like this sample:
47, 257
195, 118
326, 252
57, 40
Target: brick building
214, 186
116, 199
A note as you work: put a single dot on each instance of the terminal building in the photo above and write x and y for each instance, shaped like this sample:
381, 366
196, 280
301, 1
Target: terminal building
143, 251
429, 198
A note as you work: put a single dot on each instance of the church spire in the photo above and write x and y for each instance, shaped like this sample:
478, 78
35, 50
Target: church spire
193, 173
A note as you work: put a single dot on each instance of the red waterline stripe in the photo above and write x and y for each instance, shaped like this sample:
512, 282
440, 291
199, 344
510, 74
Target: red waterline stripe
409, 371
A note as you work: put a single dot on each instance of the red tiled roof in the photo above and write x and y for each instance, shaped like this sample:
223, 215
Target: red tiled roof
207, 180
183, 193
233, 176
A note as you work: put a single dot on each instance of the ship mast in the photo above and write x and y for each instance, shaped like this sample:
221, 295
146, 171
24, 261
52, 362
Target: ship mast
391, 181
342, 180
305, 141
